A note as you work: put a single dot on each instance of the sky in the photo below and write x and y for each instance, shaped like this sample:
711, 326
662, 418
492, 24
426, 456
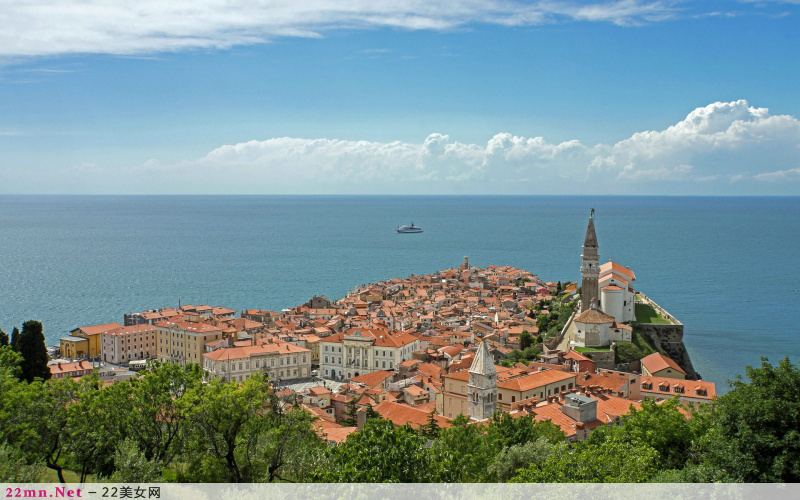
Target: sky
618, 97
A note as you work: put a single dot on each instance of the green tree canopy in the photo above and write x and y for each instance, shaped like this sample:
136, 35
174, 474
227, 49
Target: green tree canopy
30, 344
4, 339
378, 453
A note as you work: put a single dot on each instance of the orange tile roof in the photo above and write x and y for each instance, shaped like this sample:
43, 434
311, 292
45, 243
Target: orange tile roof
535, 379
400, 414
593, 316
656, 362
372, 379
242, 352
689, 387
97, 329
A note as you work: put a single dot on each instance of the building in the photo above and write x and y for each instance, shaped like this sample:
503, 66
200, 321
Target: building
74, 370
513, 385
482, 385
608, 288
73, 348
616, 291
658, 365
128, 343
184, 341
590, 269
593, 328
695, 392
359, 351
280, 361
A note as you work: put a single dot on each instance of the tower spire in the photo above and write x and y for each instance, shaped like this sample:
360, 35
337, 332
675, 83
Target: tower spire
482, 385
590, 268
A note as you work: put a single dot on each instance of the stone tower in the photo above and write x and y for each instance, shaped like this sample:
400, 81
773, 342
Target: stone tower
482, 385
590, 268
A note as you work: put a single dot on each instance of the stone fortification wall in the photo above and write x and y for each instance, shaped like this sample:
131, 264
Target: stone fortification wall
668, 338
604, 359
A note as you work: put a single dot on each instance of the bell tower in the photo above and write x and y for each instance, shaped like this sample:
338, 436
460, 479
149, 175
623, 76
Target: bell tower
590, 268
482, 385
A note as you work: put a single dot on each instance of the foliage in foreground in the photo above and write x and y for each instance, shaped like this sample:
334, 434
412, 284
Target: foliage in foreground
169, 420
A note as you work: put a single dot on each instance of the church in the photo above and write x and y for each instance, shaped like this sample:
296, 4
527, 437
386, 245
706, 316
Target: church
607, 298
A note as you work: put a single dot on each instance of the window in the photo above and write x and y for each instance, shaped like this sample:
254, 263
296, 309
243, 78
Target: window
500, 396
513, 398
326, 360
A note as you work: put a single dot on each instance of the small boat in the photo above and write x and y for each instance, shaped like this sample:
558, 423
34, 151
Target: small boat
409, 229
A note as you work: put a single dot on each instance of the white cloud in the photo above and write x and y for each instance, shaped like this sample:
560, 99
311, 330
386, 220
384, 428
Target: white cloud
725, 147
716, 139
780, 175
47, 27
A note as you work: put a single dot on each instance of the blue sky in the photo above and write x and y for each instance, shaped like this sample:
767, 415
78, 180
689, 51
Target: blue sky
613, 97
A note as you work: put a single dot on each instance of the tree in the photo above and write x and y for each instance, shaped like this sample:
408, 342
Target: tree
4, 340
520, 456
378, 453
674, 437
289, 445
755, 435
525, 340
15, 338
227, 419
505, 431
613, 462
30, 343
15, 469
351, 416
40, 429
432, 428
461, 453
131, 466
158, 419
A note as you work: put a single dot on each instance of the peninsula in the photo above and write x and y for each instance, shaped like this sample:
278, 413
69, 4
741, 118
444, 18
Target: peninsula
464, 340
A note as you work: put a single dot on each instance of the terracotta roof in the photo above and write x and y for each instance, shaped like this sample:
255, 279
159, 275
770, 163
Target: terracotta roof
613, 383
126, 330
613, 266
573, 354
690, 387
593, 316
400, 414
67, 368
656, 362
535, 379
372, 379
253, 350
612, 288
97, 329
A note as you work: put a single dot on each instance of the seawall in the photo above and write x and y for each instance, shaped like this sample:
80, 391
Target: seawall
667, 338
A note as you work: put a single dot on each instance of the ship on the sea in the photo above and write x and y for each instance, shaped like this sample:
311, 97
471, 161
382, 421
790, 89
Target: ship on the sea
409, 229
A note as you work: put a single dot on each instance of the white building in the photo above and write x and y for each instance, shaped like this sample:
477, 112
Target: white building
359, 351
127, 343
280, 361
593, 328
616, 291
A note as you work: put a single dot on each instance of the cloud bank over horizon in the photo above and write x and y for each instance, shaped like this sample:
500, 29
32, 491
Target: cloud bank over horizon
722, 148
46, 28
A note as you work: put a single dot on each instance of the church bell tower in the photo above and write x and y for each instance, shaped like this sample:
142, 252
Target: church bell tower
482, 385
590, 268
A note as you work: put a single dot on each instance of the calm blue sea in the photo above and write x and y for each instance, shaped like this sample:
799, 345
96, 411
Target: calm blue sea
726, 267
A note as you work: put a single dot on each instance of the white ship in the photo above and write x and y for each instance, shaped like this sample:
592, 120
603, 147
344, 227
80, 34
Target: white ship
409, 229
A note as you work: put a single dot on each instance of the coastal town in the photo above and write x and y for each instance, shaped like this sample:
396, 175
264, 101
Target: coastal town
465, 341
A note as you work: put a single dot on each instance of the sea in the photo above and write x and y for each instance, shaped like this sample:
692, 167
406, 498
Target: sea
726, 267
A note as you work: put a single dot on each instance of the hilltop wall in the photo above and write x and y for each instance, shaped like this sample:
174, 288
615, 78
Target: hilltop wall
668, 339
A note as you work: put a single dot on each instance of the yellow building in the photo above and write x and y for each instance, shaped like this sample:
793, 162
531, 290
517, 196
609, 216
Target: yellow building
72, 348
511, 388
184, 342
